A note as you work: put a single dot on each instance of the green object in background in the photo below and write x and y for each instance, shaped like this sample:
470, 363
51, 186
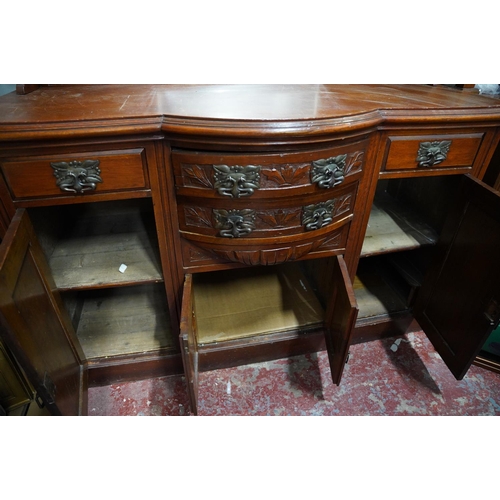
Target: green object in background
6, 88
492, 345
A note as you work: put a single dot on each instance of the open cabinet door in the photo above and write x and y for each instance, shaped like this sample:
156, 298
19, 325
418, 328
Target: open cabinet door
34, 323
458, 305
341, 319
188, 343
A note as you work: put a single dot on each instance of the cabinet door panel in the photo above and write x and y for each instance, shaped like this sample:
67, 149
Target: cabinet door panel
188, 342
35, 325
341, 318
459, 303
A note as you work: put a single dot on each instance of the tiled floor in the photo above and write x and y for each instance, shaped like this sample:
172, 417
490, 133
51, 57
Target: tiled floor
389, 377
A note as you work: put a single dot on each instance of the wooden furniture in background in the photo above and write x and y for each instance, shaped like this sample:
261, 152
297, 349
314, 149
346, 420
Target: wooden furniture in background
155, 229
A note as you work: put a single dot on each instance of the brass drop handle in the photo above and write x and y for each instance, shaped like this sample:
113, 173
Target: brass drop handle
318, 216
236, 181
432, 153
234, 223
328, 173
77, 176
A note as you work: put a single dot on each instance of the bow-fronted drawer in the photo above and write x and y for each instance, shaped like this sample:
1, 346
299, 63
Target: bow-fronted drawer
265, 176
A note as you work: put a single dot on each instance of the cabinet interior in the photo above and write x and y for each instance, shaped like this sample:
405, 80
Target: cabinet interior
404, 226
85, 244
114, 312
247, 302
120, 321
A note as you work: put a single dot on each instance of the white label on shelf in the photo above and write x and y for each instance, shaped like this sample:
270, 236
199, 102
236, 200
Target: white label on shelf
122, 268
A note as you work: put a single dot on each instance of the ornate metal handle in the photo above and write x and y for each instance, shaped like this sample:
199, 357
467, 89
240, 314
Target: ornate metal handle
432, 153
236, 181
328, 173
318, 216
234, 223
77, 176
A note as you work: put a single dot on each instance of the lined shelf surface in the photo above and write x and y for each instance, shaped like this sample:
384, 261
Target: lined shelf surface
250, 302
87, 250
376, 294
394, 227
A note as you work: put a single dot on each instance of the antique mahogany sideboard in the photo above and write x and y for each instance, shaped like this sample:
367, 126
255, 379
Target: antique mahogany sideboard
158, 229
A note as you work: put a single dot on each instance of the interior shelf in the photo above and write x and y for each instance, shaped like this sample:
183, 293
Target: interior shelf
124, 320
249, 302
380, 291
394, 227
87, 250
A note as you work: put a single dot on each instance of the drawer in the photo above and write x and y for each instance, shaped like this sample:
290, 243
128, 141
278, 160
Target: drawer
260, 176
265, 232
76, 174
426, 152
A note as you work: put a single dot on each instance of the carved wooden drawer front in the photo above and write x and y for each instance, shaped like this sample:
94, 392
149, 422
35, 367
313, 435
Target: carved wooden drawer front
78, 174
424, 152
265, 232
260, 176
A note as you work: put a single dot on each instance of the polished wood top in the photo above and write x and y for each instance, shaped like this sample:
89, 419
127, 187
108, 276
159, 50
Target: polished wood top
232, 109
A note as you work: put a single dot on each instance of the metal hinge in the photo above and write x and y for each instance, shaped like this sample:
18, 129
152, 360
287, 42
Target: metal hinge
49, 390
492, 312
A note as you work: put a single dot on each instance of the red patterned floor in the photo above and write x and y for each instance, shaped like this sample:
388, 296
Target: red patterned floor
382, 378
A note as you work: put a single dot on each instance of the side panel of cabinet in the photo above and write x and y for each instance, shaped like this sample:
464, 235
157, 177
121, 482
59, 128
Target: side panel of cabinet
35, 325
189, 348
341, 318
459, 303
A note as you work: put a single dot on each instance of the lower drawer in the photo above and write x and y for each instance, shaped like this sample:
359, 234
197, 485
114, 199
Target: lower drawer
265, 233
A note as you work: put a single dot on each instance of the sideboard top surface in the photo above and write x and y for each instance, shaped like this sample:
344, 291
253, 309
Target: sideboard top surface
256, 109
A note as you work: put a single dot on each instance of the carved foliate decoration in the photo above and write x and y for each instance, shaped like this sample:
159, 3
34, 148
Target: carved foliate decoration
343, 204
77, 176
196, 176
269, 257
280, 218
236, 181
234, 223
432, 153
198, 217
318, 216
328, 173
354, 162
334, 241
287, 174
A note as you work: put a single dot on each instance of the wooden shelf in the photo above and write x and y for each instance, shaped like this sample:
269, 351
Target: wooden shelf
392, 227
96, 243
126, 320
250, 302
376, 293
87, 261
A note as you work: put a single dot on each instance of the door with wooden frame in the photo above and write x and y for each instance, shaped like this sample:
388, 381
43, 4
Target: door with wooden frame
458, 305
35, 325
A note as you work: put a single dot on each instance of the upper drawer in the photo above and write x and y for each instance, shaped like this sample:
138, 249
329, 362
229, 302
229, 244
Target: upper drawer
425, 152
82, 173
224, 176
